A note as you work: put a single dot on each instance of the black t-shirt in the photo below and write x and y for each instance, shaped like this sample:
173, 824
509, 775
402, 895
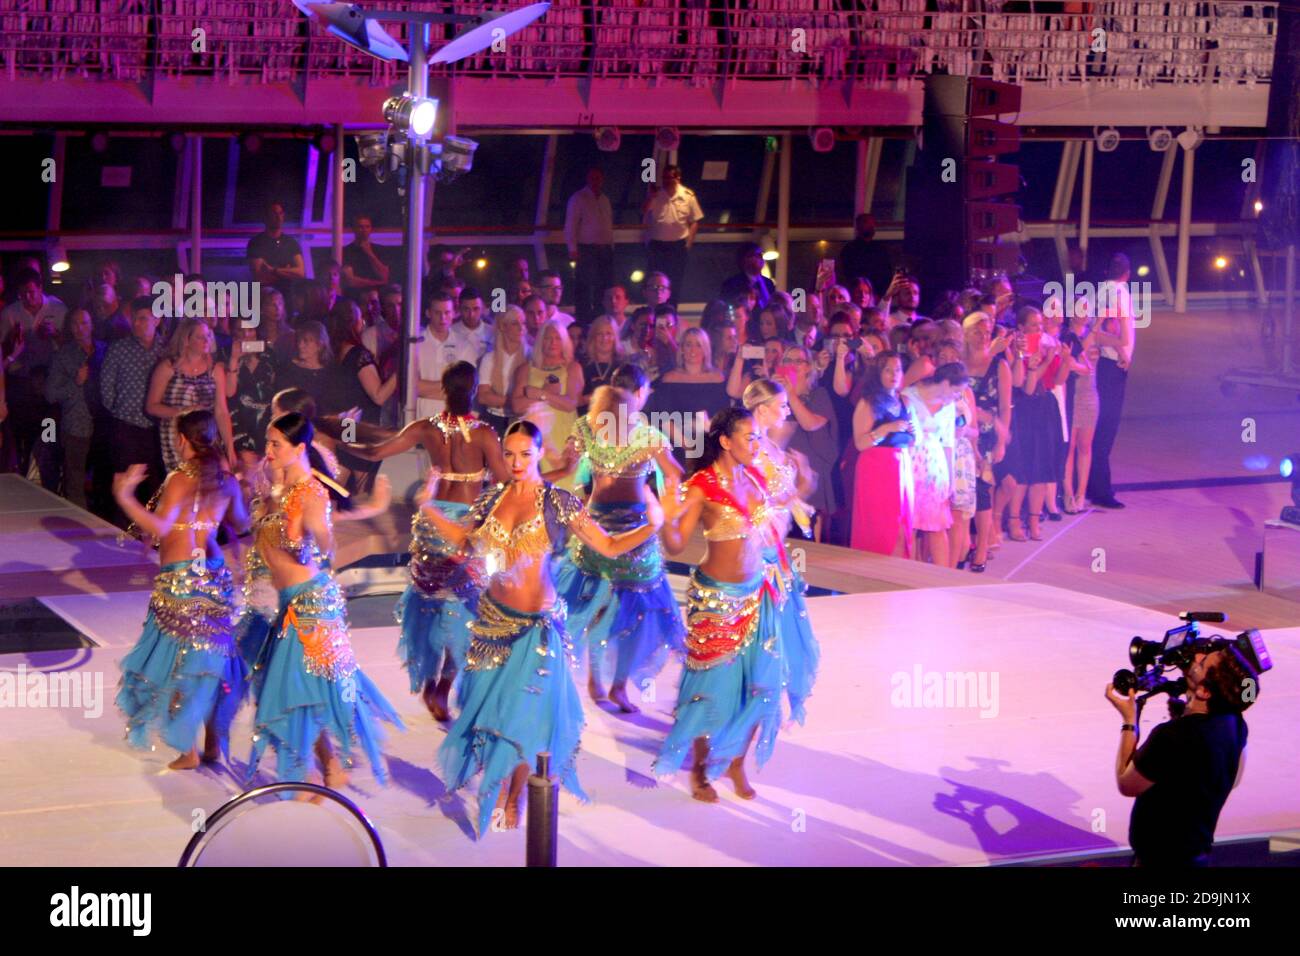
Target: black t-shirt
1192, 762
863, 257
361, 265
278, 253
345, 391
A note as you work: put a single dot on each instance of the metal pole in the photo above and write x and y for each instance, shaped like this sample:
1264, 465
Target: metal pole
196, 202
338, 194
417, 85
543, 815
1288, 321
1184, 233
783, 212
1085, 205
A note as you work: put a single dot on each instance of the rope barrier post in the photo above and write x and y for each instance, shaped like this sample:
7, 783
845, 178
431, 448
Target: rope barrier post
543, 814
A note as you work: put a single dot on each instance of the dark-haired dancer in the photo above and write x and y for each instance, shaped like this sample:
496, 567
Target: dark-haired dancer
625, 604
185, 672
730, 690
436, 608
517, 696
786, 476
311, 694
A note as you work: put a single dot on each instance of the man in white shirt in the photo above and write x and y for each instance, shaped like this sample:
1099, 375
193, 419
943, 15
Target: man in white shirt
615, 302
589, 232
1115, 335
549, 287
470, 328
437, 350
671, 216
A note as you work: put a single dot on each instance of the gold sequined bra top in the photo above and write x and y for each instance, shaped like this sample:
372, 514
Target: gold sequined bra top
462, 425
273, 527
780, 477
524, 543
733, 522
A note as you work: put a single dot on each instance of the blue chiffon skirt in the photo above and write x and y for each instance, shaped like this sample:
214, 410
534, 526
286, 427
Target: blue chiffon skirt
621, 608
310, 684
435, 610
734, 699
184, 671
517, 699
800, 651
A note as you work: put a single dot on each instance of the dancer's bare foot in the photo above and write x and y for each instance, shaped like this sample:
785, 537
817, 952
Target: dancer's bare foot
594, 690
303, 796
211, 747
186, 761
736, 773
435, 699
508, 809
701, 789
618, 694
336, 778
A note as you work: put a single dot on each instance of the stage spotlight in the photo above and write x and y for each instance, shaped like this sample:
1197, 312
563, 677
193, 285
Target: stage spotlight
1290, 469
457, 157
59, 258
822, 139
667, 139
1107, 138
349, 24
99, 142
770, 253
1259, 206
1190, 138
1220, 262
608, 138
480, 263
1144, 271
411, 113
372, 153
637, 275
1159, 139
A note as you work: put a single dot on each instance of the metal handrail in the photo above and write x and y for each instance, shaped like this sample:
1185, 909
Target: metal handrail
680, 40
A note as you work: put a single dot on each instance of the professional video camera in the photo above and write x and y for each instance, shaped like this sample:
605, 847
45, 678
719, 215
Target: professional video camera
1152, 660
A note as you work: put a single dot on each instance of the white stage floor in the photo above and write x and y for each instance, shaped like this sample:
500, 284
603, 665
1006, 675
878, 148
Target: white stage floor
866, 782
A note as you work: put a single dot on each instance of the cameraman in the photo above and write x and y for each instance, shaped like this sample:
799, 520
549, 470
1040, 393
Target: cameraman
1183, 774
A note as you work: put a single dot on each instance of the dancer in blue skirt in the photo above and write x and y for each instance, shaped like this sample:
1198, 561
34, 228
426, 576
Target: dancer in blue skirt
436, 608
787, 475
517, 696
185, 673
730, 690
624, 607
312, 696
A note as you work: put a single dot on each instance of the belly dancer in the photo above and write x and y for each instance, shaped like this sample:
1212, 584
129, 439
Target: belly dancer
517, 696
768, 402
185, 672
730, 690
312, 696
623, 607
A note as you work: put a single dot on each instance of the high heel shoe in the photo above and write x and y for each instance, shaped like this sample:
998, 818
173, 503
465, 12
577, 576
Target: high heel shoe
1035, 529
977, 568
1016, 530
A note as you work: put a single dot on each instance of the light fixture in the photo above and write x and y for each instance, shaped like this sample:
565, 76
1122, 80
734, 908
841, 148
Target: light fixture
770, 253
608, 138
667, 139
414, 114
1259, 206
1159, 138
457, 157
373, 153
480, 263
1143, 271
1290, 469
347, 22
822, 139
637, 275
493, 25
1190, 138
1107, 138
1220, 262
59, 258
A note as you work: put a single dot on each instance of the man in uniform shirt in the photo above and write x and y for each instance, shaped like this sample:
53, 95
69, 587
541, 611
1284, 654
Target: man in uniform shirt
274, 258
437, 351
589, 232
671, 216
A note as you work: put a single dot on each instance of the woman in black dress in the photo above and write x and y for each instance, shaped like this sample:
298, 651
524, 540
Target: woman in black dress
603, 355
250, 385
356, 385
687, 397
312, 368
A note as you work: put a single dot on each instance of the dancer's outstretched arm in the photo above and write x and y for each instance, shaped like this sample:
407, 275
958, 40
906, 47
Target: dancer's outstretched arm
680, 519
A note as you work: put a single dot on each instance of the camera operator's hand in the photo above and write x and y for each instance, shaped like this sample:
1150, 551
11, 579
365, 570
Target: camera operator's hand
1127, 706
